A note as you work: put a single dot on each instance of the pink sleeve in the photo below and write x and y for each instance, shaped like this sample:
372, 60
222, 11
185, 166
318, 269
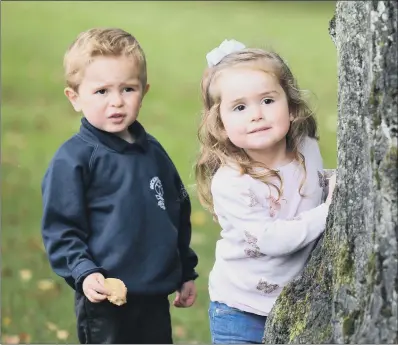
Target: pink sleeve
236, 207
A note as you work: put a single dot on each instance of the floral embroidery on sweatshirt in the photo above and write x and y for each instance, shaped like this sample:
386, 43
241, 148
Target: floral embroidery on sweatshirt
254, 250
183, 194
274, 206
266, 287
252, 201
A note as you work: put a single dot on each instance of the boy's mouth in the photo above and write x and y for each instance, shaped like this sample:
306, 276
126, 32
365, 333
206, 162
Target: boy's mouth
116, 116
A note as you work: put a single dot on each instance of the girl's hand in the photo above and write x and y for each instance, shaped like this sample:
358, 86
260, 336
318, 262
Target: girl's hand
332, 185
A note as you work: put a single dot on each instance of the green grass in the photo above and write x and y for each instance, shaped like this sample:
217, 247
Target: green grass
36, 119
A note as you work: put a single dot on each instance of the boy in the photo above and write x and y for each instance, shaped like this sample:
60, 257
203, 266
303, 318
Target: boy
113, 203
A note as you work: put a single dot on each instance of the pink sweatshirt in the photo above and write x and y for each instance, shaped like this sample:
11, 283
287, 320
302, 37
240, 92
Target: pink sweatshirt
265, 244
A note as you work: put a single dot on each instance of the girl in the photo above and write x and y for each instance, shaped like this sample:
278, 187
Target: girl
260, 174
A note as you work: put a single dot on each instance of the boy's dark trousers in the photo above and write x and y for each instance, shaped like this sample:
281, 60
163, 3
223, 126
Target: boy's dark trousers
142, 320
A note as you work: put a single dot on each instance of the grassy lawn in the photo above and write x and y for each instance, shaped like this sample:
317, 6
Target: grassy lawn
36, 305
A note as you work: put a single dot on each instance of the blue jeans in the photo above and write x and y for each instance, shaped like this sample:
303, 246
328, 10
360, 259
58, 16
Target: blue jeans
233, 326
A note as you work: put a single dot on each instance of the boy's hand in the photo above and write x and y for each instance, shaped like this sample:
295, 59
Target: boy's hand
186, 296
94, 288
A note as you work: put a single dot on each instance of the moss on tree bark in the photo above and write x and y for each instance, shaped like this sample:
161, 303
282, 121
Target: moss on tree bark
348, 291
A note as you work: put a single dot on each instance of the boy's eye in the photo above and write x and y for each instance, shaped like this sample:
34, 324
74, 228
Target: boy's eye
101, 92
129, 89
268, 100
240, 107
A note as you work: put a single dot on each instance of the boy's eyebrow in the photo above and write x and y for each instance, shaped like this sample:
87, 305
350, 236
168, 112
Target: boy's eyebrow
265, 93
127, 83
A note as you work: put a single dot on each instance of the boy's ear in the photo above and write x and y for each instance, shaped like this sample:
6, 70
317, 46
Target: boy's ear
147, 87
144, 92
73, 97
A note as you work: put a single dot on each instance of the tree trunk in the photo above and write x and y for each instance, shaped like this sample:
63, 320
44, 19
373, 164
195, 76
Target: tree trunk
348, 291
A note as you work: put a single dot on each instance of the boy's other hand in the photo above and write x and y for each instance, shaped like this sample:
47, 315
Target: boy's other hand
94, 288
186, 296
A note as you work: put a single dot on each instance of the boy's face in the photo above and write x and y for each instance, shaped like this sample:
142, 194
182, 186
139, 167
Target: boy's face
110, 94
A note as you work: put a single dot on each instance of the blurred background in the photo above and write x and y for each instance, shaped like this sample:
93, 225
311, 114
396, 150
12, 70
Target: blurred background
36, 305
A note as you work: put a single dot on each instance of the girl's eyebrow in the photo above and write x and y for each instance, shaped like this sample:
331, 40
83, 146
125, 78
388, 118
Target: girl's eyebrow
265, 93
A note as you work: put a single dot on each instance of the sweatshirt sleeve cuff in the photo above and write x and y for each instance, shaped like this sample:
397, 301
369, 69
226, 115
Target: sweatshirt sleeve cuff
82, 270
188, 277
191, 276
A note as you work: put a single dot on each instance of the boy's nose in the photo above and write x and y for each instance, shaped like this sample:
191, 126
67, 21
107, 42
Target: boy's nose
117, 100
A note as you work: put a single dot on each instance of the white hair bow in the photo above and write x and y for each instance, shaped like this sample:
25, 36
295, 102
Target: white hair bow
225, 48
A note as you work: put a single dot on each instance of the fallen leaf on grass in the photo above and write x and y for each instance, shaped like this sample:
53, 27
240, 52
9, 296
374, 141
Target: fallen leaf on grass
45, 284
198, 218
10, 339
36, 244
6, 321
51, 326
24, 338
198, 238
180, 331
9, 159
17, 139
62, 335
6, 272
25, 275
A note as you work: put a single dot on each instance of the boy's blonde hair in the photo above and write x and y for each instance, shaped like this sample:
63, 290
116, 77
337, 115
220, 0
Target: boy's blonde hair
215, 147
101, 42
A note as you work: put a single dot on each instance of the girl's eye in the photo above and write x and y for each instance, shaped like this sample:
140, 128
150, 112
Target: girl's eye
268, 100
129, 89
101, 92
240, 107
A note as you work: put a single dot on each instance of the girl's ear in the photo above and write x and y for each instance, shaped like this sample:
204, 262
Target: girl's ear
73, 97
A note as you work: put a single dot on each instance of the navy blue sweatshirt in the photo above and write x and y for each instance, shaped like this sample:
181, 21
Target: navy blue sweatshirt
117, 208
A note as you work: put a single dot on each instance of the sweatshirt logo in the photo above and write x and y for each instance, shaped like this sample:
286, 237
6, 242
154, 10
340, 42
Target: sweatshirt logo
156, 185
183, 193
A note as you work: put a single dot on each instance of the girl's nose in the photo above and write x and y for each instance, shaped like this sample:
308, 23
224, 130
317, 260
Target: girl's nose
257, 114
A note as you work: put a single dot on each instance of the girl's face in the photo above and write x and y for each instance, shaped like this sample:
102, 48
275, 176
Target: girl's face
254, 109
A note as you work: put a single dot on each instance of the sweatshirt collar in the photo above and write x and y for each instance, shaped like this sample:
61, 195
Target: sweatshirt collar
115, 142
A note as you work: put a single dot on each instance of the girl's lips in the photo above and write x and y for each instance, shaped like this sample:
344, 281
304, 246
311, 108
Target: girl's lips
261, 129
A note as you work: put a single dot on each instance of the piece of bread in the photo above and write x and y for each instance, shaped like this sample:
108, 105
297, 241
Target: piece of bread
118, 291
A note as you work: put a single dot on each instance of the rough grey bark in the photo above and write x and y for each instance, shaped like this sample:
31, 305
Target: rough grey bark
348, 291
